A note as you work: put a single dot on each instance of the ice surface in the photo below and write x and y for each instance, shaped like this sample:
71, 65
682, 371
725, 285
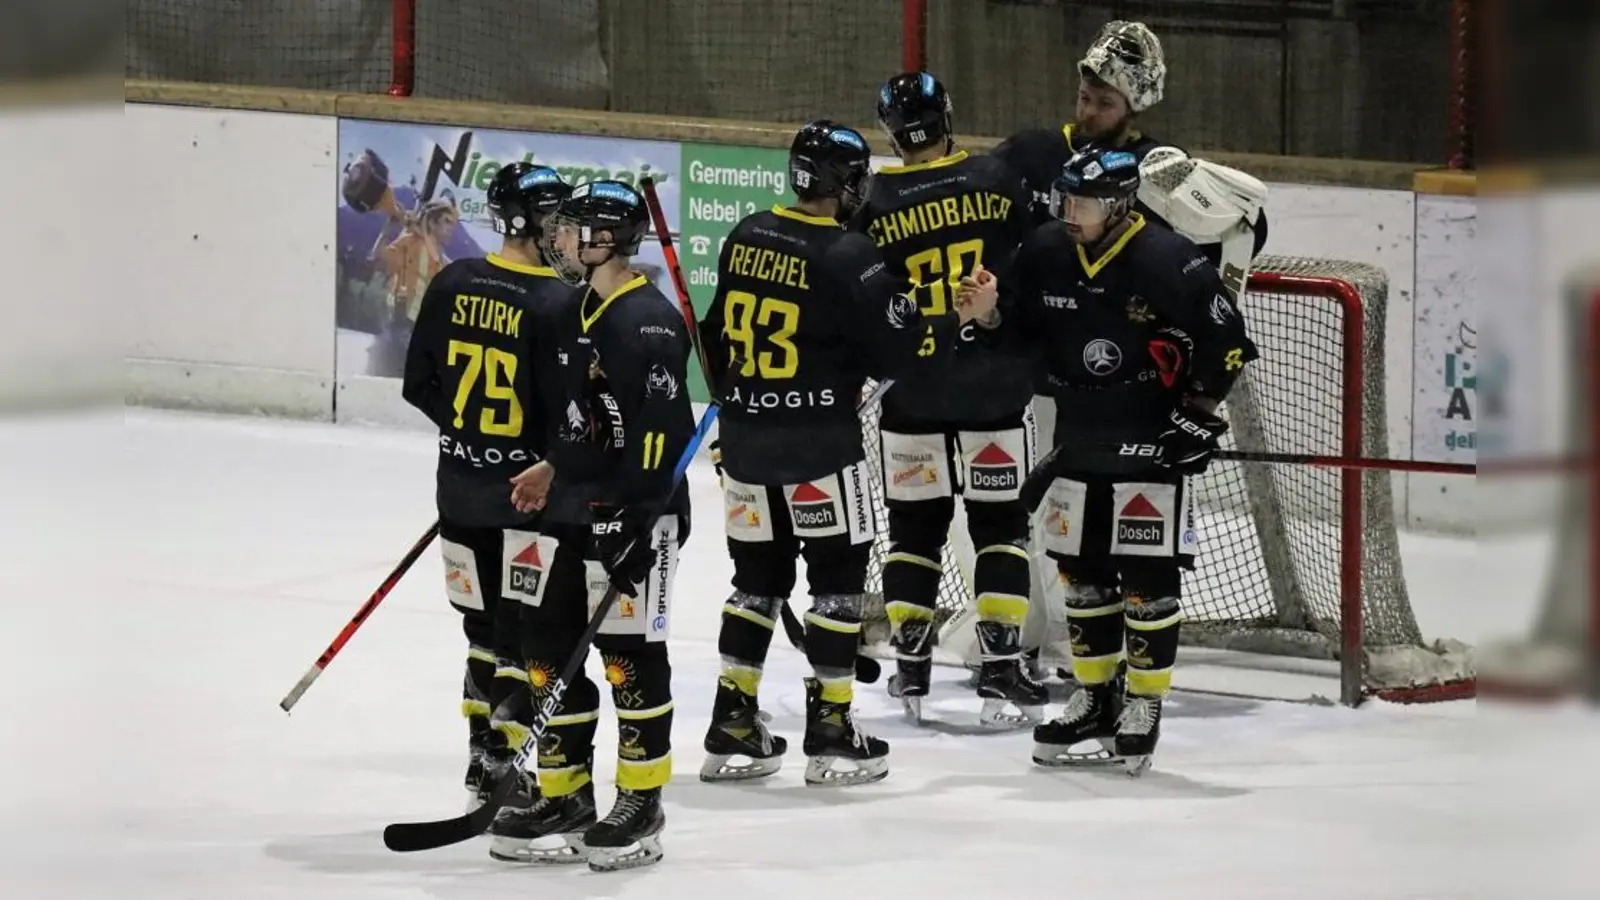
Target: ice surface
188, 580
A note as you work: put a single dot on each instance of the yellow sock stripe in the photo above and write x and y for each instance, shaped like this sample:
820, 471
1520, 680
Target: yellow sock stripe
516, 733
577, 718
900, 556
633, 715
746, 678
512, 672
749, 615
1109, 609
838, 690
644, 774
478, 654
1009, 549
1149, 682
1095, 669
561, 782
1157, 625
900, 612
470, 708
1007, 609
832, 624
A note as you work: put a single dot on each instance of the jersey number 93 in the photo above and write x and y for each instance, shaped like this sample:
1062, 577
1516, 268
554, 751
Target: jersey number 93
744, 312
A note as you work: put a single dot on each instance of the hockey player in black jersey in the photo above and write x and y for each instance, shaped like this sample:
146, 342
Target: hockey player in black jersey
614, 519
1140, 342
473, 367
960, 427
805, 313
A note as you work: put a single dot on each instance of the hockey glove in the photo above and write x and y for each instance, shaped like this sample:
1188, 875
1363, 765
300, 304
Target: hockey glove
611, 530
1191, 439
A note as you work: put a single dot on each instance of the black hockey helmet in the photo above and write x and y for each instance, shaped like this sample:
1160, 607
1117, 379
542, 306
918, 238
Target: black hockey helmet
521, 195
829, 160
914, 109
609, 207
1100, 173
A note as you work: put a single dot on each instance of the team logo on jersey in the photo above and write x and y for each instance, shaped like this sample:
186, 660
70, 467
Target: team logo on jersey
900, 311
813, 508
1221, 310
1139, 310
658, 382
1140, 523
577, 424
1102, 357
527, 570
993, 469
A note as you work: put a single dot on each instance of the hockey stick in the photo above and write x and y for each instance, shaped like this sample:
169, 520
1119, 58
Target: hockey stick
1347, 462
868, 670
305, 682
406, 837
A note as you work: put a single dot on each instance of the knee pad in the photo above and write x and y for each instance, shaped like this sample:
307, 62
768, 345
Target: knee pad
836, 566
765, 569
1094, 618
566, 749
641, 689
1152, 586
1002, 576
1152, 615
913, 567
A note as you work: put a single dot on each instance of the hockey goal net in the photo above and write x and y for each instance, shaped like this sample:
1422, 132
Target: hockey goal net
1295, 560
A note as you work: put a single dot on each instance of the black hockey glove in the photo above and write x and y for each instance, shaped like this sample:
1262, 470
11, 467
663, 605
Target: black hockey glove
611, 530
1191, 439
716, 460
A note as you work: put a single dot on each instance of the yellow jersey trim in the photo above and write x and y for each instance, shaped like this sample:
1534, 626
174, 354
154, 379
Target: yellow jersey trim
495, 259
939, 163
588, 319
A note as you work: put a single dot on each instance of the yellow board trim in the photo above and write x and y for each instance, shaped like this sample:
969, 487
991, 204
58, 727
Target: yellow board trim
1447, 182
495, 259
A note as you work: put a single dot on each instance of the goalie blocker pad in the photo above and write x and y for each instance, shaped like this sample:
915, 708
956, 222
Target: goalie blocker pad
1206, 203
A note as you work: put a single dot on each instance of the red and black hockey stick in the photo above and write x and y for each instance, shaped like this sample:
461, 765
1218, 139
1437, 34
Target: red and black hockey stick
293, 697
868, 670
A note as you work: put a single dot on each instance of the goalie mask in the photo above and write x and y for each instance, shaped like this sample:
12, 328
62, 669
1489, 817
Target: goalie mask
829, 160
1095, 191
600, 215
1127, 56
520, 197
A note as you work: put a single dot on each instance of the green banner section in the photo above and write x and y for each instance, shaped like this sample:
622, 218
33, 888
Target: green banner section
718, 186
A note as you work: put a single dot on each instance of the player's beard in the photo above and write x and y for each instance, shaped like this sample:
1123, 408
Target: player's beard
1087, 132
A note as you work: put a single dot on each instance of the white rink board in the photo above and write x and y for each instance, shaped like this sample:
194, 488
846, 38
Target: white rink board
229, 587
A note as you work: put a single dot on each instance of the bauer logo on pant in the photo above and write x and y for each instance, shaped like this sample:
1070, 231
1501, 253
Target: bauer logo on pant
813, 509
993, 469
1141, 524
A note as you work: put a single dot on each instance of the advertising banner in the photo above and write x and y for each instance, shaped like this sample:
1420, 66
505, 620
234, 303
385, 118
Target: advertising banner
410, 199
1445, 337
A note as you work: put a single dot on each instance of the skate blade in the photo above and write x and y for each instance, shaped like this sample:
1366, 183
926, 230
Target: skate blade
821, 773
551, 850
1136, 765
1055, 756
912, 707
642, 852
722, 767
997, 713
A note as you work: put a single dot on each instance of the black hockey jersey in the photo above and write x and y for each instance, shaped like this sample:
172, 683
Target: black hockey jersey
935, 222
805, 312
625, 417
479, 366
1037, 155
1124, 336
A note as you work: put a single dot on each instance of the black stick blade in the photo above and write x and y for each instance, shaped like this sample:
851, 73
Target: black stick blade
409, 837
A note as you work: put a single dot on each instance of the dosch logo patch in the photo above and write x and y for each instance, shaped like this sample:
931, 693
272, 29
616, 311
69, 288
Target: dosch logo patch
993, 469
527, 570
813, 508
1141, 523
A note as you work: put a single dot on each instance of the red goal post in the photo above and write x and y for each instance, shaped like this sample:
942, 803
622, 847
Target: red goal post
1296, 560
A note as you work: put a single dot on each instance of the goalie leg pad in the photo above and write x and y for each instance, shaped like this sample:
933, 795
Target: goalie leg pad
1094, 617
1153, 616
641, 690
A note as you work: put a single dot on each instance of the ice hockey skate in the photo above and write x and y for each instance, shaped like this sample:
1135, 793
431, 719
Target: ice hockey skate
549, 832
629, 837
833, 740
1138, 730
1011, 699
914, 666
1085, 732
738, 744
